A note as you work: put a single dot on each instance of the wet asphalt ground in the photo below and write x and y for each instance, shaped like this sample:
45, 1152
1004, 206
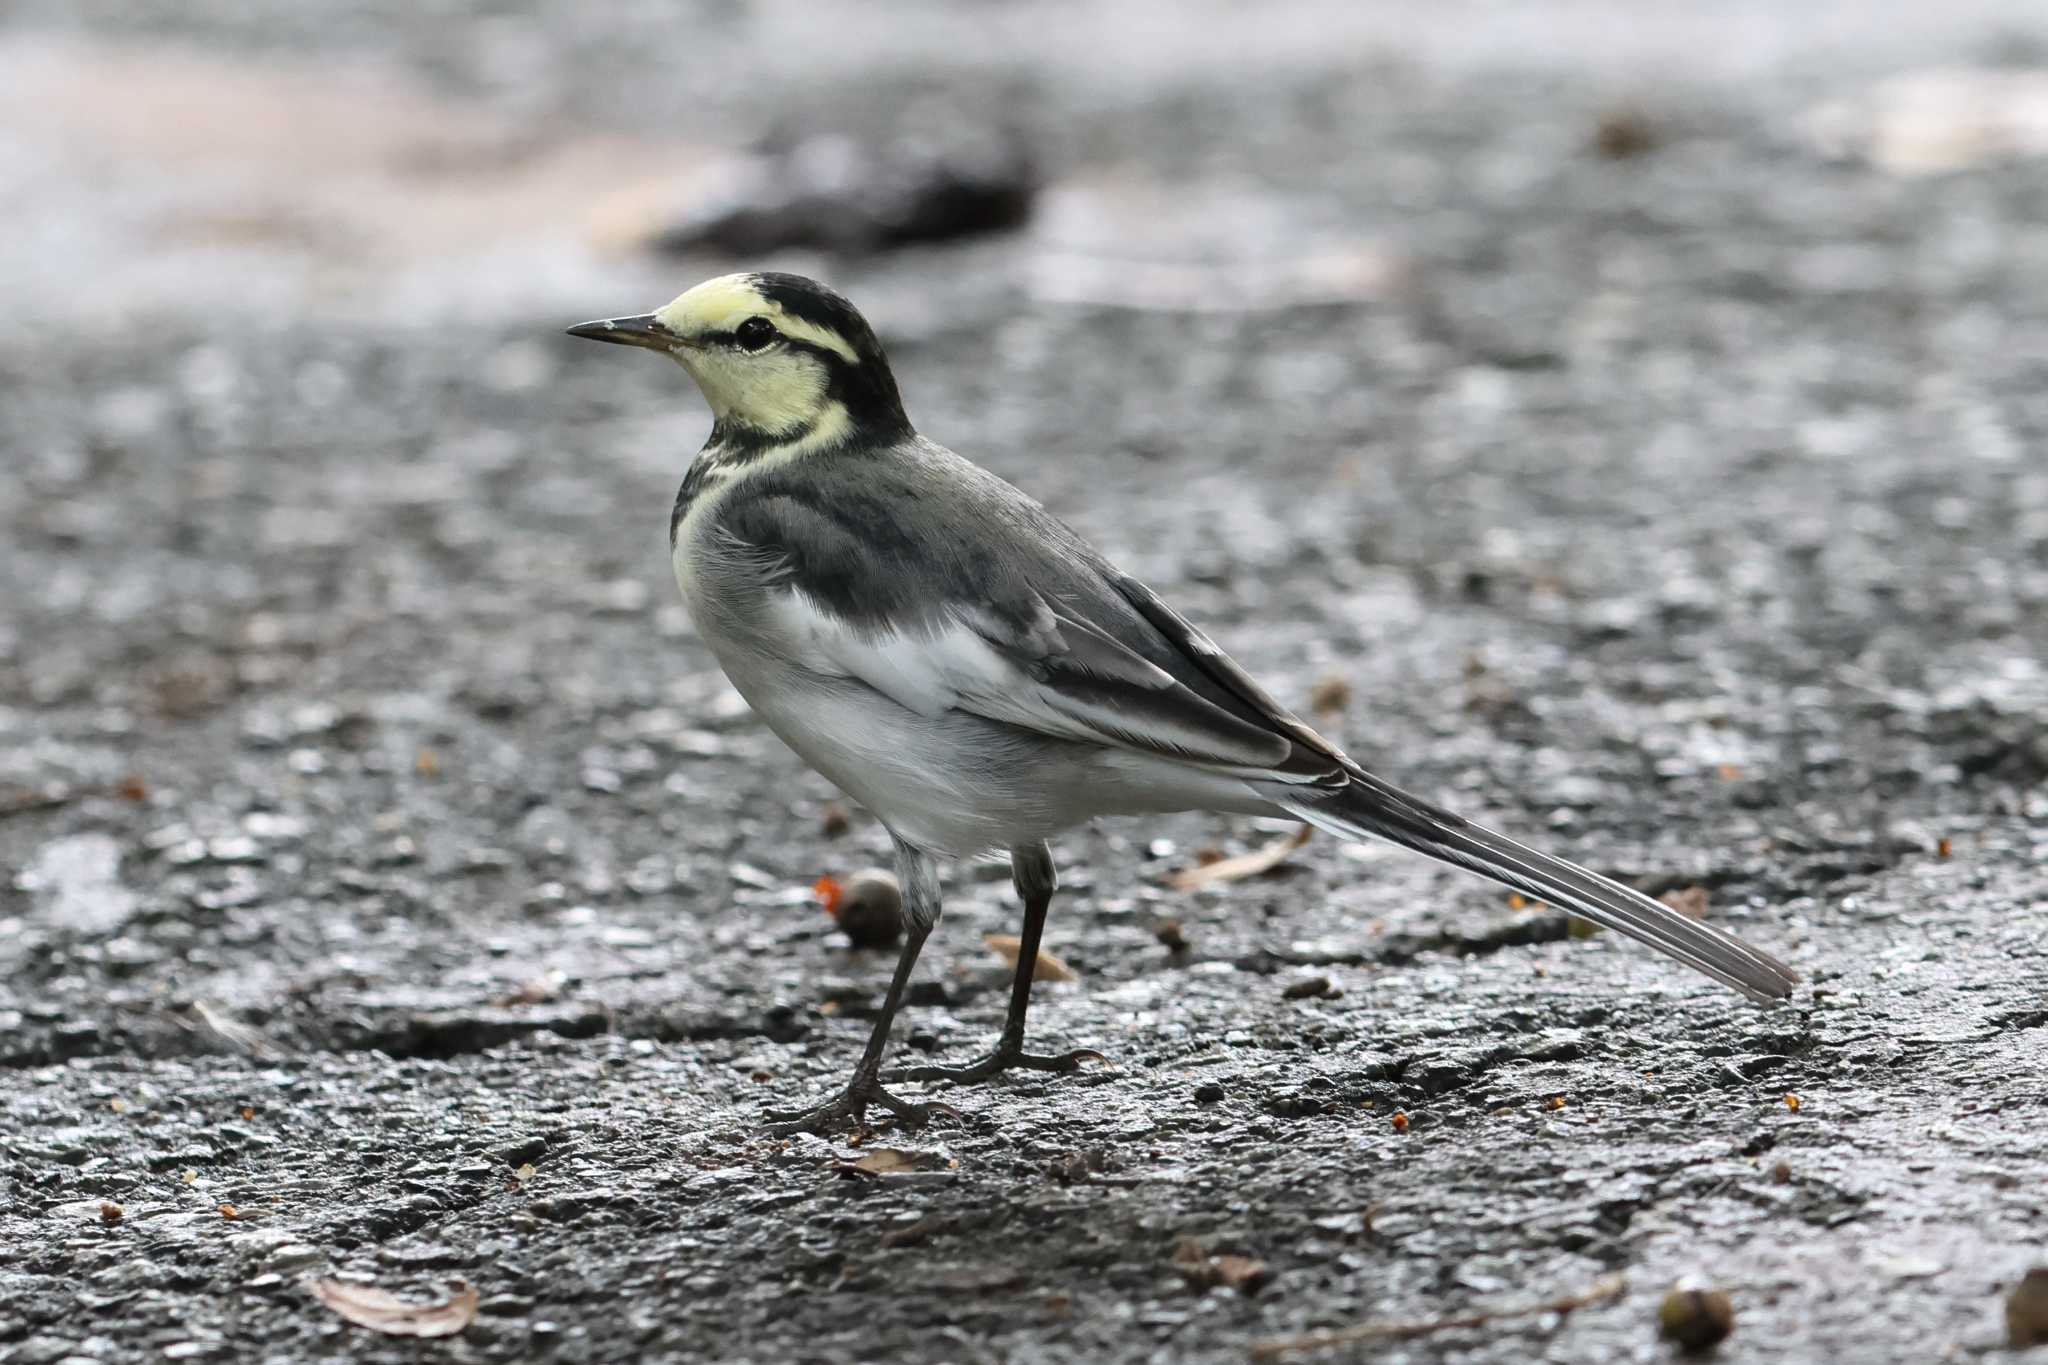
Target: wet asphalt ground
395, 891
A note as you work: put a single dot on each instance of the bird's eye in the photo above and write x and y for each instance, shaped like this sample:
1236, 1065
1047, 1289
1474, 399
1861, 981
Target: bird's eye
754, 334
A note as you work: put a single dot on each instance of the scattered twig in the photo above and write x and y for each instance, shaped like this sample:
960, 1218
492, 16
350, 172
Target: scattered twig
1242, 866
1602, 1290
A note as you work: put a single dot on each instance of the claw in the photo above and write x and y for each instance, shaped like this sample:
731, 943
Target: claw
1001, 1060
849, 1107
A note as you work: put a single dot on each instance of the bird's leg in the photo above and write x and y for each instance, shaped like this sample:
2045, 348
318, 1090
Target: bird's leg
1032, 870
920, 877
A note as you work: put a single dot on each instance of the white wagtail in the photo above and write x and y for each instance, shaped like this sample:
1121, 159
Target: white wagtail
968, 668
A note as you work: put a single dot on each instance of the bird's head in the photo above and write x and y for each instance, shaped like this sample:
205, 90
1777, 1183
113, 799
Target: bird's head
781, 359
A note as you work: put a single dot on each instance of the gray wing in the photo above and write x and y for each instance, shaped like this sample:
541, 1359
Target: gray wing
943, 587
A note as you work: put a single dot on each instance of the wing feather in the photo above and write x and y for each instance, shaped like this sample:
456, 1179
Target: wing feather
1047, 673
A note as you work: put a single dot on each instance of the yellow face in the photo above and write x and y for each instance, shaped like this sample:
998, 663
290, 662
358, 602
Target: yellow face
749, 373
780, 359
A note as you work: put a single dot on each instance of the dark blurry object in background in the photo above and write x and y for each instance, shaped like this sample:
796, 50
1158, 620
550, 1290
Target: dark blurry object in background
834, 193
1625, 131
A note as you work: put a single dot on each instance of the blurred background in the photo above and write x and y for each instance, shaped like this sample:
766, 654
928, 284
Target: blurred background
1623, 421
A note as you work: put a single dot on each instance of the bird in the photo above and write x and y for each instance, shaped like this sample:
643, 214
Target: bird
965, 666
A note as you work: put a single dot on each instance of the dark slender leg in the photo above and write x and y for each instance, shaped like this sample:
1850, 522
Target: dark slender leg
1032, 870
920, 879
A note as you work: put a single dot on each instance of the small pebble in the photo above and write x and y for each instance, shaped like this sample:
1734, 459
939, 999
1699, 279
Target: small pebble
871, 910
1695, 1318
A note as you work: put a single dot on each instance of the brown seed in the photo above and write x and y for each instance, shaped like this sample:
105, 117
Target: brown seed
2026, 1309
1943, 848
1695, 1318
1315, 988
110, 1212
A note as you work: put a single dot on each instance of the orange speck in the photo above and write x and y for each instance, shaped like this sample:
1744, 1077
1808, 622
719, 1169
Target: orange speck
1515, 901
248, 1111
1400, 1121
1556, 1101
228, 1211
1792, 1103
427, 763
1729, 772
1943, 848
133, 788
829, 893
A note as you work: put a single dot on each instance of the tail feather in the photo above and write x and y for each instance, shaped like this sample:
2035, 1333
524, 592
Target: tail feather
1369, 807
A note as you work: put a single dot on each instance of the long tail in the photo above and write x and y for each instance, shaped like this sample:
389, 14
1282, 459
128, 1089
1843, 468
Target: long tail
1368, 806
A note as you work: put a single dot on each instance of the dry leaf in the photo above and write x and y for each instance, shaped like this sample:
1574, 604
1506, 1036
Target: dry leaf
382, 1311
1242, 866
886, 1161
1049, 968
1690, 901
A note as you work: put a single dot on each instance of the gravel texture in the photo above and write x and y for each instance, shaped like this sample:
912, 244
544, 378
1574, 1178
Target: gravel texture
394, 889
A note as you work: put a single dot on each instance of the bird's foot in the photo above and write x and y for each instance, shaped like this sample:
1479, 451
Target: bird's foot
1006, 1057
849, 1108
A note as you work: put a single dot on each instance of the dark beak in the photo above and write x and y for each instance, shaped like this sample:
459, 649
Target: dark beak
639, 331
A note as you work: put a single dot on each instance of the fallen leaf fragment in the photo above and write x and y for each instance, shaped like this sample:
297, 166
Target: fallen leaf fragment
1245, 1274
886, 1161
2026, 1310
1242, 866
1049, 968
382, 1311
1690, 901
